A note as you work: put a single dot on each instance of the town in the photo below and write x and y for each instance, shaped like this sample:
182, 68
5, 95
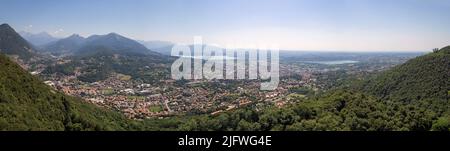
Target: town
168, 97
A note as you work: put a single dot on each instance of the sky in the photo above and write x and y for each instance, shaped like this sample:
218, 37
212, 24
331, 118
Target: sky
341, 25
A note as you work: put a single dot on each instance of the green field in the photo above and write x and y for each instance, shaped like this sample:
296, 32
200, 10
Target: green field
296, 96
155, 108
108, 91
133, 97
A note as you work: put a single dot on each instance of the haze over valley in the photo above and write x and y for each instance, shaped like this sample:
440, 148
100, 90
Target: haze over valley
343, 68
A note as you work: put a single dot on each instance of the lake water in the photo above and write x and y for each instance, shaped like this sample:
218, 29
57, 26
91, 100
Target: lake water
334, 62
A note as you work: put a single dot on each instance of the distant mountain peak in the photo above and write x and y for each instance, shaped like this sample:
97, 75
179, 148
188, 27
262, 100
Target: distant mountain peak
38, 39
75, 36
6, 26
65, 45
113, 43
12, 43
115, 36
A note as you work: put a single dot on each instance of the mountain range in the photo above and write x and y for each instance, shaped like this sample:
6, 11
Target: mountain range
66, 45
38, 39
110, 43
100, 56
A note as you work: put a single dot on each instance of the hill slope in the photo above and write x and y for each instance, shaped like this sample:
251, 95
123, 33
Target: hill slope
28, 104
66, 45
111, 43
425, 77
11, 43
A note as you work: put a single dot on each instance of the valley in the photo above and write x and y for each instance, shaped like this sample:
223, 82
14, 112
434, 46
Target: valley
136, 85
118, 74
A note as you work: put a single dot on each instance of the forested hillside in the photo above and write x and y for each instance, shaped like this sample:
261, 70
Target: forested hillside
425, 77
28, 104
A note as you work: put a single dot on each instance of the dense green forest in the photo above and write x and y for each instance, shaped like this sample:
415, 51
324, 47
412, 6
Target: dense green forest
413, 96
425, 77
338, 110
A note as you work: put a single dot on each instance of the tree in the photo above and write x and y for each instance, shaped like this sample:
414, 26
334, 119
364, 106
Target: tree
442, 124
243, 125
435, 49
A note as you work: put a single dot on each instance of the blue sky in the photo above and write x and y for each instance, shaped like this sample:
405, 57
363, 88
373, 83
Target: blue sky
350, 25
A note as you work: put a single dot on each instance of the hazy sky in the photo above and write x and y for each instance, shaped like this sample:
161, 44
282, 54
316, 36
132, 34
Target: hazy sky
351, 25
